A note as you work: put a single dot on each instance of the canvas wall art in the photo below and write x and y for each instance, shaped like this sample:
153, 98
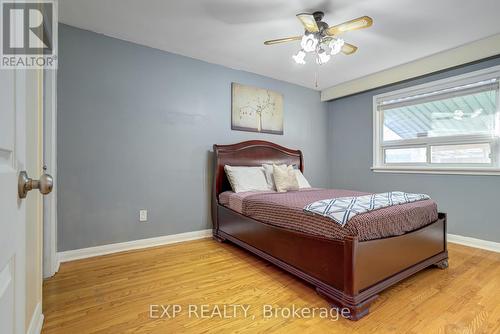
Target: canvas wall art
256, 109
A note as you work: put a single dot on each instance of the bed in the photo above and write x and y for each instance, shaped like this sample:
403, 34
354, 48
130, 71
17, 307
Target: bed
348, 269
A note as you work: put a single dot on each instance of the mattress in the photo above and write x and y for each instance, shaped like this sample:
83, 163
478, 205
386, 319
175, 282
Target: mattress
286, 210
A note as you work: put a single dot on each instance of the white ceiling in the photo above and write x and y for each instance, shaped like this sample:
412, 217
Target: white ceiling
232, 32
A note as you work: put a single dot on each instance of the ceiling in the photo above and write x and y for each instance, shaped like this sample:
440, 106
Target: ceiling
232, 32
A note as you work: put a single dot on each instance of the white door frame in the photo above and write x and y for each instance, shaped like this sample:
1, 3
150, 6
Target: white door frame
50, 260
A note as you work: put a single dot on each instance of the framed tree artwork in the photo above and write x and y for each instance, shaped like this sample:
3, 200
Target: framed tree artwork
256, 109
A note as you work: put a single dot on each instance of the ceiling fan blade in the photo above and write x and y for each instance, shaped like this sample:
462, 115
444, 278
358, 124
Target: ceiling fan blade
349, 49
283, 40
308, 22
359, 23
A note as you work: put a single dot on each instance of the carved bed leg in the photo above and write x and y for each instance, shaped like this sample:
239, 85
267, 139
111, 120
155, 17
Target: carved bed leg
443, 264
355, 311
218, 238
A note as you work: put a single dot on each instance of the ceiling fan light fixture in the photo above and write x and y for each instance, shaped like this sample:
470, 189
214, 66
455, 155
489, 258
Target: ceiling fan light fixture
299, 57
321, 40
309, 42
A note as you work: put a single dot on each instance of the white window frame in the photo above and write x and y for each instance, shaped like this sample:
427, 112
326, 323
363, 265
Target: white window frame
379, 164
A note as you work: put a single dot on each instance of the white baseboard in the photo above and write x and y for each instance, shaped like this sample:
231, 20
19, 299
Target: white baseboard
131, 245
473, 242
54, 267
57, 264
36, 322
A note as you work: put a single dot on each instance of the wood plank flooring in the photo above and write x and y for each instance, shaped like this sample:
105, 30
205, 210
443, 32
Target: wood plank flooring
113, 294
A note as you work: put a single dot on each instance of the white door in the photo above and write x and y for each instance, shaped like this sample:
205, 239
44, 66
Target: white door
20, 219
12, 220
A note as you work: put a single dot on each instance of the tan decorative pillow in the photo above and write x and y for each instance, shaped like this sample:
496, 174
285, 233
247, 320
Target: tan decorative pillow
268, 170
285, 178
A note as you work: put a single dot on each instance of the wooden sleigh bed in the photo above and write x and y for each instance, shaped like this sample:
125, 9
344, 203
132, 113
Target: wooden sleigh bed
348, 273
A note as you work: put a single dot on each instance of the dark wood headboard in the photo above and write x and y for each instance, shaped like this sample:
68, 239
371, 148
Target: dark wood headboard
250, 153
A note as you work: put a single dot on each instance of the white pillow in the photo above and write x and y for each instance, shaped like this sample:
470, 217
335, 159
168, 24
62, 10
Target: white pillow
285, 178
246, 178
302, 180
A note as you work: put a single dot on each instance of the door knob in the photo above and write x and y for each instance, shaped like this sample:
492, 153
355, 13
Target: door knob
25, 184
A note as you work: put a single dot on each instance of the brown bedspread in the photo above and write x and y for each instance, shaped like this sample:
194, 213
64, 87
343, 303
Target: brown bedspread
286, 210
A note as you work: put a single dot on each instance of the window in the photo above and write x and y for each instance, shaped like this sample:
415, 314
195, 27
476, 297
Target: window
447, 126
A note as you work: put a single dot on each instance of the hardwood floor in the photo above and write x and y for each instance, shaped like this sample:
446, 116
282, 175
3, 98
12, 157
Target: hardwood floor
113, 294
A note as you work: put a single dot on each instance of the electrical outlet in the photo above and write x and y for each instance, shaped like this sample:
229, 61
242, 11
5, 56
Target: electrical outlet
143, 215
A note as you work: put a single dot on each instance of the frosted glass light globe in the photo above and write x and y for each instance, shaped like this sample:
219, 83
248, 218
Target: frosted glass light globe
336, 46
309, 43
299, 57
322, 57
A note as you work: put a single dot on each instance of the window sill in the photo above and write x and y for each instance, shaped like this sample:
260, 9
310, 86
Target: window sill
437, 170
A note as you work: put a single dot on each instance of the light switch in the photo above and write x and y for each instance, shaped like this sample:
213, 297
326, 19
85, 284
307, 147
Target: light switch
143, 215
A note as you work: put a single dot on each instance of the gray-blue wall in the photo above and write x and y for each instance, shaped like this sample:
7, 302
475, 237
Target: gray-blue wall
135, 127
472, 202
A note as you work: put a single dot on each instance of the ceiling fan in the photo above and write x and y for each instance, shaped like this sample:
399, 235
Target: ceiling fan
321, 39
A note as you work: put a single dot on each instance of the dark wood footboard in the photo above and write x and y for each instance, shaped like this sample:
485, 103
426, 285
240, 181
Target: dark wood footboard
375, 260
